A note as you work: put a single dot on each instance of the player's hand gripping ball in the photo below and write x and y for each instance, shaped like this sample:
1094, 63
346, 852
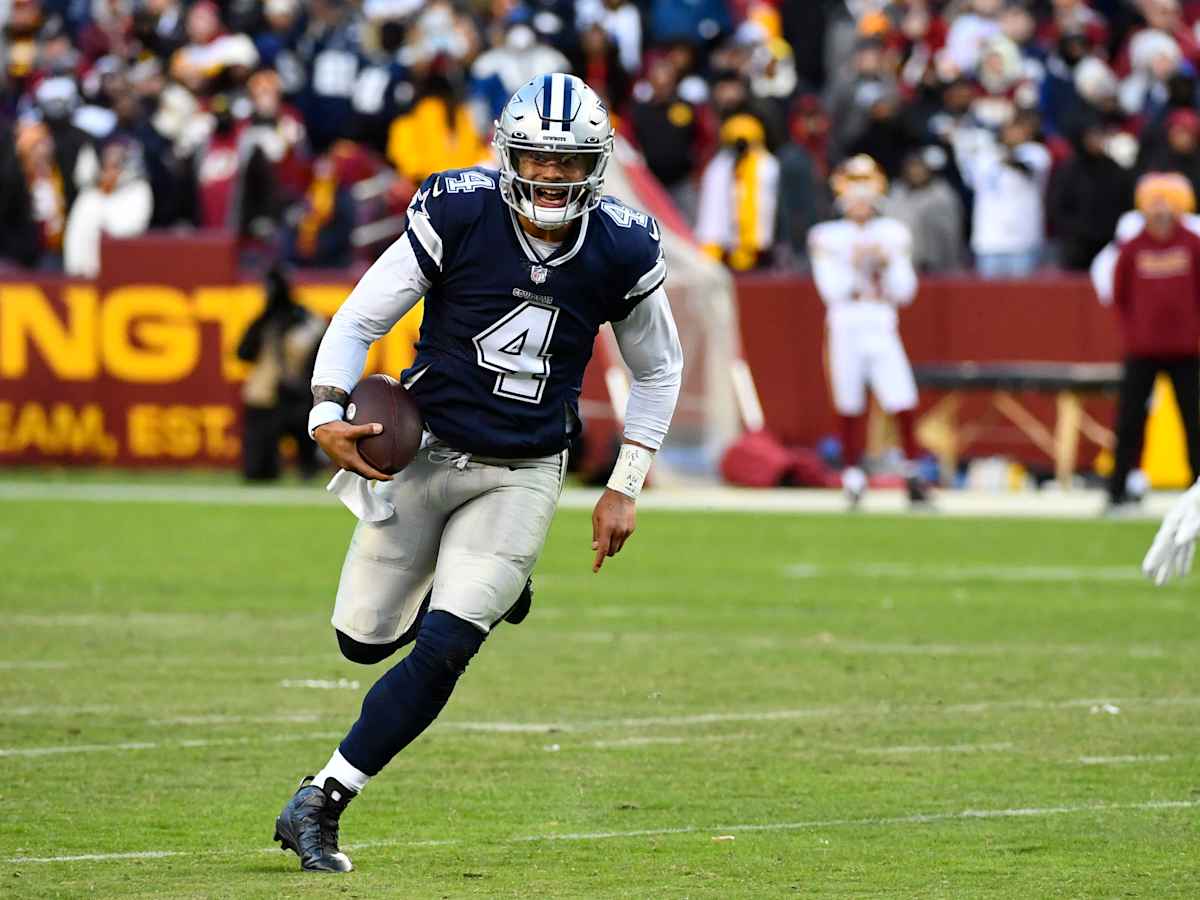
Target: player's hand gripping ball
382, 399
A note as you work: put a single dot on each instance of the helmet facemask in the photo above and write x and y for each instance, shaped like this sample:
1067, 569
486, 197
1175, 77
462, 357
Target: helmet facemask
572, 198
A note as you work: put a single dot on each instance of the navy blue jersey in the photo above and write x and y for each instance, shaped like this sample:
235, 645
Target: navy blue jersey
506, 334
333, 59
381, 93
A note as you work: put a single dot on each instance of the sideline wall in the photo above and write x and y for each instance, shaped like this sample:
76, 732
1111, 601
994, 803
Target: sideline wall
138, 368
140, 373
1051, 318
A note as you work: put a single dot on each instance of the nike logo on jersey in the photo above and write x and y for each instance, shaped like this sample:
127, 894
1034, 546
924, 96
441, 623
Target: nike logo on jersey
437, 187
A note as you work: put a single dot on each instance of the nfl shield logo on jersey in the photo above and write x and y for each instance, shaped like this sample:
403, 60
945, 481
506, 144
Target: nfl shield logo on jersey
537, 274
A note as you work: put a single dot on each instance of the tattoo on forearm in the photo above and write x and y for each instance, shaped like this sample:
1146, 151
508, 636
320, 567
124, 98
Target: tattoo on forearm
323, 392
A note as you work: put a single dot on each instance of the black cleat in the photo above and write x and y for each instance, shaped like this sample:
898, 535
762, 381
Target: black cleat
308, 826
520, 609
918, 493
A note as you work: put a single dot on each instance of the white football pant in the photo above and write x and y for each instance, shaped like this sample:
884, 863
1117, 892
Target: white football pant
875, 358
472, 529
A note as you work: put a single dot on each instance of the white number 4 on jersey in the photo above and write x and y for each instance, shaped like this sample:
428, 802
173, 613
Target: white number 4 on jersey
517, 347
626, 217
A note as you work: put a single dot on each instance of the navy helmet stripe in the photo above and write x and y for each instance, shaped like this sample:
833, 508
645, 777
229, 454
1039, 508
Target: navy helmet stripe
547, 94
566, 113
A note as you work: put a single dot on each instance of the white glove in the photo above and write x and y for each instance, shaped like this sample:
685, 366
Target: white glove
1175, 544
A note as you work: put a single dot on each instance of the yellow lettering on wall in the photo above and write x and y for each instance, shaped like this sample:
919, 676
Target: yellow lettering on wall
323, 299
148, 334
27, 317
81, 431
181, 432
6, 419
141, 429
61, 430
233, 309
216, 421
152, 334
33, 430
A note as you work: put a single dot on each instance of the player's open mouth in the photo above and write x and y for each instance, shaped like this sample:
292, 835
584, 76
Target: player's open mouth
554, 197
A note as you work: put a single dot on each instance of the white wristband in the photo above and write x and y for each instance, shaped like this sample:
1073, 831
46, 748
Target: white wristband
323, 413
629, 474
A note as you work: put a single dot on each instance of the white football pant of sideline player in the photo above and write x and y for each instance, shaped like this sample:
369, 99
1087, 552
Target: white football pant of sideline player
862, 265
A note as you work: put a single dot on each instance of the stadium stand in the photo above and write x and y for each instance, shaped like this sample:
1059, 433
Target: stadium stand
292, 123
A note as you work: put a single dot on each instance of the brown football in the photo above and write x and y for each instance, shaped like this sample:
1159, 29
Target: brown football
382, 399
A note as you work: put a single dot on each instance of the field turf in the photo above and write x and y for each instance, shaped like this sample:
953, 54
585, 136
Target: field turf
737, 706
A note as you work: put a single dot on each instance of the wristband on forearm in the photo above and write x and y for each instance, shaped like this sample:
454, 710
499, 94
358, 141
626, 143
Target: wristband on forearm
323, 413
629, 474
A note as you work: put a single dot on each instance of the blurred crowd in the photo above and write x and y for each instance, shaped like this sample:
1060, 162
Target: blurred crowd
1012, 131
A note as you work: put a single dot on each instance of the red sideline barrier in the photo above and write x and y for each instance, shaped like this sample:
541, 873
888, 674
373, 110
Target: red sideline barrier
138, 368
1050, 318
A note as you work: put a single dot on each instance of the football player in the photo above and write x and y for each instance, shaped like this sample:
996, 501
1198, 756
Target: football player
1178, 192
1169, 184
862, 264
519, 268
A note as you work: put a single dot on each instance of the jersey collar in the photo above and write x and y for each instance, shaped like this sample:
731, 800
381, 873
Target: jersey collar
559, 256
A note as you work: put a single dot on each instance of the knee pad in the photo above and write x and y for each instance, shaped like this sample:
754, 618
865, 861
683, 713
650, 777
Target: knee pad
445, 644
364, 654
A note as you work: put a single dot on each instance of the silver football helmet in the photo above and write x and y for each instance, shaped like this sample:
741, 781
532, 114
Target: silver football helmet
558, 114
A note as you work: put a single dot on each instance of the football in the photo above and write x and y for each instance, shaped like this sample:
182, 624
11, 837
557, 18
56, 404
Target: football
382, 399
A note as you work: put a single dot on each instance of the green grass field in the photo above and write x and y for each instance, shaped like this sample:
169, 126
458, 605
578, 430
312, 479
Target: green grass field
737, 706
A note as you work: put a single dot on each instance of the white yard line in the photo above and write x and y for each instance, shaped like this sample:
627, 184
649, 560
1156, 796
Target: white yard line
914, 819
12, 664
111, 711
1124, 760
92, 663
938, 748
651, 741
954, 573
1093, 705
205, 495
821, 641
53, 709
322, 684
286, 718
672, 740
717, 499
159, 619
715, 718
102, 857
183, 744
903, 648
747, 827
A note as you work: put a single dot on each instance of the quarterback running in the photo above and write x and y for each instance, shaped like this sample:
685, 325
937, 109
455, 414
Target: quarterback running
863, 268
519, 268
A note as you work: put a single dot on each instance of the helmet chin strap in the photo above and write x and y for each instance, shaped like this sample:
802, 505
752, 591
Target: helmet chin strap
553, 218
549, 226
